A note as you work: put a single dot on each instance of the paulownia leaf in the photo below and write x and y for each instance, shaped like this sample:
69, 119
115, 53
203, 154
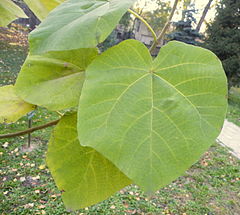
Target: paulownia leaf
152, 118
11, 106
9, 12
54, 80
78, 24
84, 175
41, 8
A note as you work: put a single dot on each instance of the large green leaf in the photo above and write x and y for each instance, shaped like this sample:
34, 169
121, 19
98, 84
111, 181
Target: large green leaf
54, 80
84, 175
41, 8
9, 12
78, 24
152, 119
11, 106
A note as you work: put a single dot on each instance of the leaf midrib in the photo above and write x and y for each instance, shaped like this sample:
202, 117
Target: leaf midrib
151, 130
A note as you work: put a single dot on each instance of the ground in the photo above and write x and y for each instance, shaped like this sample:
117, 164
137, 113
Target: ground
211, 186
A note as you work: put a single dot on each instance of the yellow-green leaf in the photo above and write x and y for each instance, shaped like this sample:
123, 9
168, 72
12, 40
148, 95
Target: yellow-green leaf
41, 8
77, 24
9, 12
83, 175
152, 118
54, 80
11, 106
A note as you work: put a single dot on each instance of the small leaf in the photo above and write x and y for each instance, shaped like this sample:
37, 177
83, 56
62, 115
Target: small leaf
12, 107
78, 24
152, 119
42, 166
41, 8
9, 12
84, 176
55, 79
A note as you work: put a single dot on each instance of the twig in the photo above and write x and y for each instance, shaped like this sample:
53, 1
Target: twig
145, 23
203, 15
161, 35
28, 131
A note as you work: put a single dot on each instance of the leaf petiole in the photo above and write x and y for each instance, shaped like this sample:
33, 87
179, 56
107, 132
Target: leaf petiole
145, 22
165, 28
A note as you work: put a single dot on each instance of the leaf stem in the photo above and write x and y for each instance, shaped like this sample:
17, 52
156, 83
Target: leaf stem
59, 113
30, 130
145, 23
165, 28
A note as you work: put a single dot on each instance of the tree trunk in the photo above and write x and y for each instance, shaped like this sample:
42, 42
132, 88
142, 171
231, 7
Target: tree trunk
203, 15
33, 20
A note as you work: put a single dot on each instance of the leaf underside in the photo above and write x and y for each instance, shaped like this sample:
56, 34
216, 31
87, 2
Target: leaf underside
83, 175
152, 118
77, 24
12, 107
9, 12
54, 80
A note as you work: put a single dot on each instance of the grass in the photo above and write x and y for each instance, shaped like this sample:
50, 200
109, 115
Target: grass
211, 186
233, 114
234, 95
13, 51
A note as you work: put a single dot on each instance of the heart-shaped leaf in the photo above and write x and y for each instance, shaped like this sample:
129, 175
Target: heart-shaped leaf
78, 24
41, 8
54, 80
84, 176
9, 12
12, 107
152, 118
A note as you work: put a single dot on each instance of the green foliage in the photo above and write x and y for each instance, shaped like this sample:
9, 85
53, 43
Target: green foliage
117, 36
210, 186
224, 39
41, 8
143, 120
9, 12
234, 95
91, 175
12, 45
54, 80
234, 113
133, 109
126, 20
184, 30
83, 24
234, 105
11, 106
158, 17
111, 41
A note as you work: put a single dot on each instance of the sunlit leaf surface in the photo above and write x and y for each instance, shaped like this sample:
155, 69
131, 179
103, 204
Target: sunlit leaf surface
78, 24
152, 118
41, 8
11, 106
83, 175
9, 12
54, 80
